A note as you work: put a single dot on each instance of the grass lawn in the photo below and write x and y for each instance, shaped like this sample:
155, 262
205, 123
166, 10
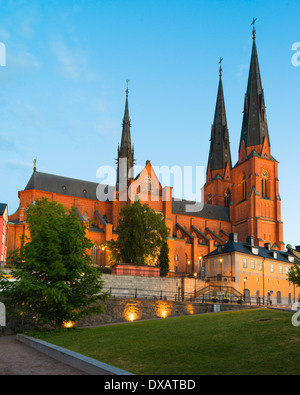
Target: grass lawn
250, 342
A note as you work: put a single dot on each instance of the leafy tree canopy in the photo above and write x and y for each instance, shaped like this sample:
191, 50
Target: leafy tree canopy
141, 234
55, 279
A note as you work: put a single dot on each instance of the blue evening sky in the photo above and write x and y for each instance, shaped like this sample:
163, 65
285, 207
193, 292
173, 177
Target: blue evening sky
62, 92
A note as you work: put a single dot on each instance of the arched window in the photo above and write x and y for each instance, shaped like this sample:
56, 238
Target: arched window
227, 198
85, 216
264, 184
94, 254
148, 184
209, 198
244, 187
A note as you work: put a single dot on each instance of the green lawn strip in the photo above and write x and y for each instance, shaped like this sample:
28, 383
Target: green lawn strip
233, 343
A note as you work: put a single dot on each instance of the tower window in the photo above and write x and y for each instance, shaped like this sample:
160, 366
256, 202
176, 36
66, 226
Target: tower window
209, 198
227, 198
244, 188
264, 185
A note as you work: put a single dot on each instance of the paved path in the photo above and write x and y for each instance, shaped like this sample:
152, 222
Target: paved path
17, 358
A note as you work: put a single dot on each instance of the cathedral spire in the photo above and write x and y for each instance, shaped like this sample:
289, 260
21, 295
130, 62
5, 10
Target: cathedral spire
254, 127
219, 155
125, 151
126, 135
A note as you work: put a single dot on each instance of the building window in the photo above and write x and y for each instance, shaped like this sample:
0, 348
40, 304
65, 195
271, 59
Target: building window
264, 183
209, 198
85, 217
94, 254
243, 187
148, 184
245, 263
259, 265
252, 264
227, 198
280, 269
287, 270
272, 268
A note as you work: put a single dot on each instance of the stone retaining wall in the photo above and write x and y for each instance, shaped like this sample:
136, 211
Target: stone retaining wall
118, 310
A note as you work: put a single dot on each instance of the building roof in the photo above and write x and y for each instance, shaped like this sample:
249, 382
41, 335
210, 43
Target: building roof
67, 186
86, 189
209, 211
247, 248
2, 208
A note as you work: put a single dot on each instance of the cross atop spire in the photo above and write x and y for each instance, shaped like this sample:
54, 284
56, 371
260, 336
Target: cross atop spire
254, 30
220, 70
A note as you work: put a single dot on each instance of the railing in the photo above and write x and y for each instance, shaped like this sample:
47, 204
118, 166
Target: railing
136, 293
146, 273
220, 277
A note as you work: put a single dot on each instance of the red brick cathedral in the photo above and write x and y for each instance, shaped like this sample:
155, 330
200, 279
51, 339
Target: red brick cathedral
242, 199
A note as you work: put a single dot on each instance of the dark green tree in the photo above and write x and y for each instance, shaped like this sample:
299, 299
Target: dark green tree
55, 279
294, 273
163, 260
141, 234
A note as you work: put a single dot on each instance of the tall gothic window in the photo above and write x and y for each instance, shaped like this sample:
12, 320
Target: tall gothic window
264, 186
209, 198
243, 187
227, 198
94, 254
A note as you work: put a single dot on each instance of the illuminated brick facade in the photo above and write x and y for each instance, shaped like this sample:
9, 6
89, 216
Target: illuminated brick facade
242, 199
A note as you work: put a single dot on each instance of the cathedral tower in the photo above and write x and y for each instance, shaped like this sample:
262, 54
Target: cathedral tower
218, 175
256, 208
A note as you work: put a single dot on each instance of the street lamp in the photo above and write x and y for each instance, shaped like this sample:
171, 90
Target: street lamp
221, 261
245, 279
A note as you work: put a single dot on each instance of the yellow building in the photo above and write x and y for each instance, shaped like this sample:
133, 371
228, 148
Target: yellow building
258, 273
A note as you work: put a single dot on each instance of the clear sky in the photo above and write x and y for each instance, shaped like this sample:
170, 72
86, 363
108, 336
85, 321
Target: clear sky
62, 91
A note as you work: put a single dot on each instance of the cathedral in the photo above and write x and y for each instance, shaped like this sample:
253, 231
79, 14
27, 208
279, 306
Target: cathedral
241, 199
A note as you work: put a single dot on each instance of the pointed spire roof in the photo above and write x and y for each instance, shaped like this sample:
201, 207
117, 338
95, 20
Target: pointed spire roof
219, 154
254, 127
126, 135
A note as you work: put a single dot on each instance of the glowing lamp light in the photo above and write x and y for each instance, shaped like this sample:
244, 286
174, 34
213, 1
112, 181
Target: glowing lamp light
69, 324
164, 314
132, 317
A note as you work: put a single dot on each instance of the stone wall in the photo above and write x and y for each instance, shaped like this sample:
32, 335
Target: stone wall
118, 310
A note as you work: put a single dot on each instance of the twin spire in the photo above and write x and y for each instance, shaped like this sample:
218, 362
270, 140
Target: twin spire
219, 154
254, 126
